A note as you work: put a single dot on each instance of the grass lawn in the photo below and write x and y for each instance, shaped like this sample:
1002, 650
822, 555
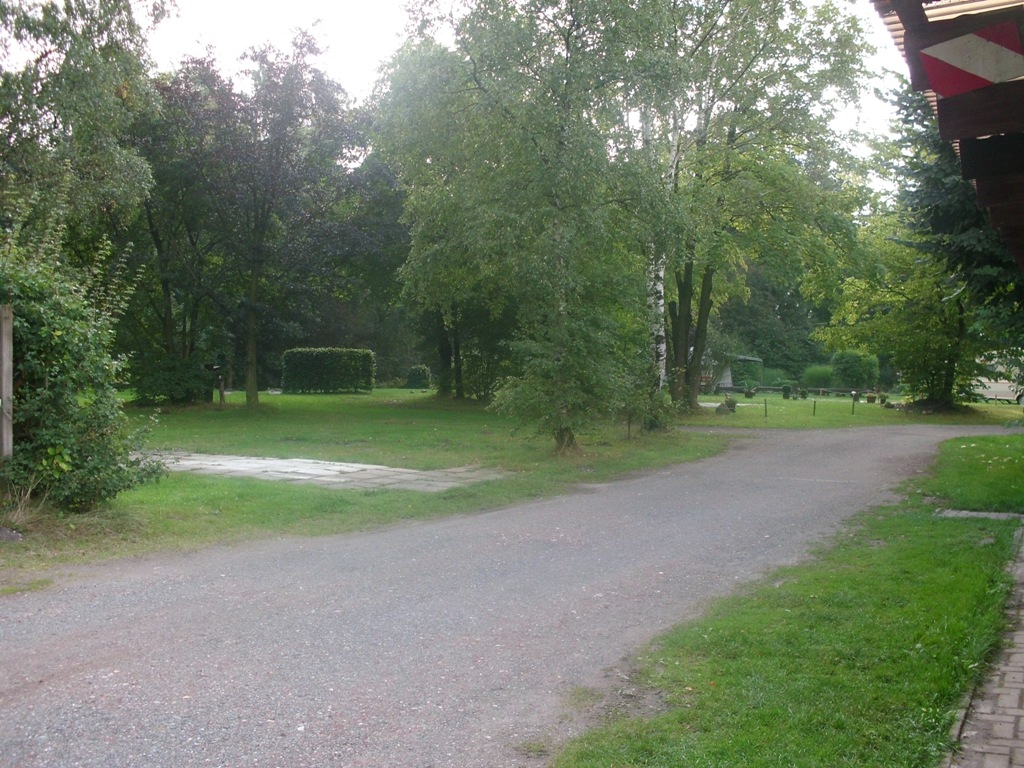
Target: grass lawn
775, 412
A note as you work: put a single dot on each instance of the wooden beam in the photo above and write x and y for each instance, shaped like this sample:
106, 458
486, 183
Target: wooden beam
985, 112
1005, 214
936, 32
1012, 237
994, 156
6, 379
995, 190
911, 13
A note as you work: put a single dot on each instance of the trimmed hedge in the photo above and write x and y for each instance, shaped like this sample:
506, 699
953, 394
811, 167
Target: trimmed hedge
418, 377
328, 370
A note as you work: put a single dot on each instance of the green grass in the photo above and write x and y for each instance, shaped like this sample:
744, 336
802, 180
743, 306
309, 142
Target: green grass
981, 473
391, 427
838, 412
400, 428
859, 658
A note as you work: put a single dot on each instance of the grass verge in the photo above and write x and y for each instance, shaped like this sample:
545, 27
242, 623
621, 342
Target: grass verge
775, 412
859, 658
982, 473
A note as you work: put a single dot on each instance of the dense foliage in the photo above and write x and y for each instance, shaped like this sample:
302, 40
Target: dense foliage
72, 443
72, 79
901, 300
564, 160
328, 370
854, 369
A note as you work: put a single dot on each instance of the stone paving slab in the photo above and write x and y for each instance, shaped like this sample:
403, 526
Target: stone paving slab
326, 473
991, 734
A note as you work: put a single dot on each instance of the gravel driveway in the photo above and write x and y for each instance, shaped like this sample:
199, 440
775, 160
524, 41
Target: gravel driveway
459, 643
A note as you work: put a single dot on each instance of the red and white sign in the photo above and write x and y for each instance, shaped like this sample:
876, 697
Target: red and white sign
990, 55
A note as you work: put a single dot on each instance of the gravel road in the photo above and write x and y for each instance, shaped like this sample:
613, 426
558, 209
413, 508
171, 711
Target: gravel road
457, 643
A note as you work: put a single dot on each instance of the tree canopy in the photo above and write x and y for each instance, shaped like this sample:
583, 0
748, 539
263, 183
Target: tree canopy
560, 157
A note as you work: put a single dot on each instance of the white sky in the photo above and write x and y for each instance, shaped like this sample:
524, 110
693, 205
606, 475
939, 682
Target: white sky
356, 35
359, 35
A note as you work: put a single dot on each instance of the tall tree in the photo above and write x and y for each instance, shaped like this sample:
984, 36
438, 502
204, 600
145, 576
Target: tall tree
357, 298
178, 318
72, 79
503, 143
294, 150
911, 310
773, 321
940, 208
740, 110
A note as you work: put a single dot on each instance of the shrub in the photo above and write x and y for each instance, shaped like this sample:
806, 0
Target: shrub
817, 377
776, 377
328, 369
748, 371
856, 370
73, 444
418, 377
160, 378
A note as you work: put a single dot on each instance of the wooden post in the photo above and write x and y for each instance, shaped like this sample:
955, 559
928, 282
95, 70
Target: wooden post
6, 379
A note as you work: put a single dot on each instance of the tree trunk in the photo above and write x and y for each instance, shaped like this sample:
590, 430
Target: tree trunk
444, 357
252, 393
947, 395
565, 440
681, 317
656, 302
460, 390
163, 265
700, 339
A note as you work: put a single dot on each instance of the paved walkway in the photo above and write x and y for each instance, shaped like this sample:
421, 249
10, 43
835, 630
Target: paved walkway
326, 473
991, 732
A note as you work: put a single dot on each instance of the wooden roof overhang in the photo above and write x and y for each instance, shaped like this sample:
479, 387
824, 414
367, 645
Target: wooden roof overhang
985, 115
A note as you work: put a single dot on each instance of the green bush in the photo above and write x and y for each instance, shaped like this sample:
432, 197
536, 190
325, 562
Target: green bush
73, 445
855, 370
748, 371
776, 377
163, 378
418, 377
327, 369
817, 377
